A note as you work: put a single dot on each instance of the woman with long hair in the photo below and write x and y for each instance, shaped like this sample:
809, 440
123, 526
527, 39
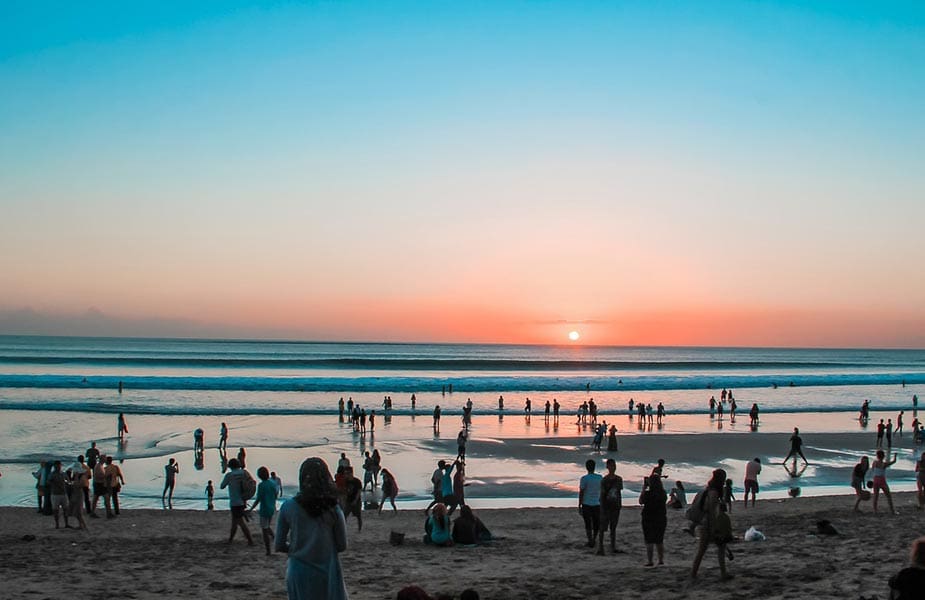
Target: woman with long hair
312, 530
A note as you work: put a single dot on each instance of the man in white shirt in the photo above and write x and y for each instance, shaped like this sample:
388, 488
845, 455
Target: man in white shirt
752, 469
589, 501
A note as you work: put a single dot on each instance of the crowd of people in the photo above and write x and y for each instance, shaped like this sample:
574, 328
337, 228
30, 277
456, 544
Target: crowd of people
312, 526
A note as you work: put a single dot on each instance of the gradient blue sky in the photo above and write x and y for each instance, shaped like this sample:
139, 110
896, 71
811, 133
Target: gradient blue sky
652, 172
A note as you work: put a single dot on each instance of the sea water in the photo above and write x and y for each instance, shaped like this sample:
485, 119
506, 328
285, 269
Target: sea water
280, 401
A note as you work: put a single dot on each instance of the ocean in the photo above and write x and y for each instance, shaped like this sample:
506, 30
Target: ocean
280, 401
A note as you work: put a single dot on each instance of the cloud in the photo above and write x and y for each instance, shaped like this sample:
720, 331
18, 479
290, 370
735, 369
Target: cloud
95, 323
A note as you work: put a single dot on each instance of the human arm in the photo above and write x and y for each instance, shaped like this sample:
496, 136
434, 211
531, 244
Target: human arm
340, 529
892, 461
581, 493
224, 482
282, 532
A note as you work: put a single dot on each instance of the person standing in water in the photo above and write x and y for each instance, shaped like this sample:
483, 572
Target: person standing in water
796, 446
122, 426
171, 469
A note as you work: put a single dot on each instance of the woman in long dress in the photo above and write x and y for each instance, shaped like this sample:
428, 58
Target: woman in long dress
312, 530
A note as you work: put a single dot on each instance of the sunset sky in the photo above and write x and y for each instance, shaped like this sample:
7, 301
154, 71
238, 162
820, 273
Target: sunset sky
696, 173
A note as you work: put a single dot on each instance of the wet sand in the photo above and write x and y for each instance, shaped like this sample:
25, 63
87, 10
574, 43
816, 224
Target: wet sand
154, 554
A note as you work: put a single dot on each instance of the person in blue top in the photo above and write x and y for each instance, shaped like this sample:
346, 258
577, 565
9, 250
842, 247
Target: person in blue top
267, 493
446, 486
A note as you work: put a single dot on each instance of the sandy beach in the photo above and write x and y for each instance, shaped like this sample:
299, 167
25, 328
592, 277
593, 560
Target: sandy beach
156, 554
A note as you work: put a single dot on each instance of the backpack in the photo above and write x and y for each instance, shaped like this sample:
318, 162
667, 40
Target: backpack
695, 512
248, 486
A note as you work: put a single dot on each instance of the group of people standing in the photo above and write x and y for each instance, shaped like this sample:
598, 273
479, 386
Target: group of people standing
76, 489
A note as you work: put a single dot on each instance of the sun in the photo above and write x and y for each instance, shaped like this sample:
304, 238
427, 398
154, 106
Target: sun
573, 335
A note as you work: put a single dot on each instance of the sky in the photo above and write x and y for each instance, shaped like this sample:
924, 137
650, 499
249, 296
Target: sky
644, 173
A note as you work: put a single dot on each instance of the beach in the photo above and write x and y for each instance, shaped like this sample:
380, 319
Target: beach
540, 554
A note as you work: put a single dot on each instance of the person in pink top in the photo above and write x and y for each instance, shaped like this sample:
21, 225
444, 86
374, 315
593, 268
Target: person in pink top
752, 469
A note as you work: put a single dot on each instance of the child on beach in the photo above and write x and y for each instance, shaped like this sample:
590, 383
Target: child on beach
728, 498
210, 494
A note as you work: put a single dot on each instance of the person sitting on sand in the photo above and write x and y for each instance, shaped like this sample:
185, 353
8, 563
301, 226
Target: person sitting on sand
312, 530
712, 500
469, 529
909, 582
437, 527
858, 476
389, 489
677, 498
878, 472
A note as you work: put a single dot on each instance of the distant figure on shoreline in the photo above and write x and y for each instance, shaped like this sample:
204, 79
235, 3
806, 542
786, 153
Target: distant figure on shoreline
555, 410
223, 437
796, 446
122, 426
437, 419
753, 416
500, 403
171, 469
340, 410
120, 386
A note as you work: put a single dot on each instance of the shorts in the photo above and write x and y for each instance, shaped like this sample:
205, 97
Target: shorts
610, 516
100, 489
880, 484
751, 484
238, 511
266, 522
59, 501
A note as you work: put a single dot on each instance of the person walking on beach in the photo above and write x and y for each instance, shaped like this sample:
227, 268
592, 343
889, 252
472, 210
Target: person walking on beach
340, 410
612, 439
712, 406
114, 482
461, 441
611, 504
878, 471
171, 469
122, 426
527, 408
710, 524
242, 456
223, 437
235, 480
589, 501
210, 496
267, 492
881, 429
889, 433
389, 490
377, 466
654, 503
899, 423
858, 477
546, 412
312, 530
437, 419
752, 470
753, 416
659, 413
796, 446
